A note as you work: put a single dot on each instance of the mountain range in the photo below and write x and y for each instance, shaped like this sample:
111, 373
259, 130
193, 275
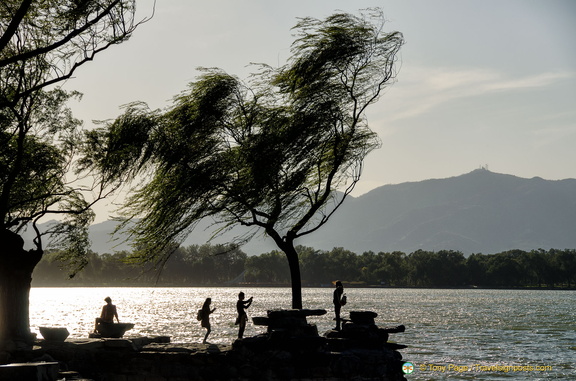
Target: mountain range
478, 212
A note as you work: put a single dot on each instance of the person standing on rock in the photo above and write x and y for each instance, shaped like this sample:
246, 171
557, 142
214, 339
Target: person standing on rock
242, 318
338, 301
205, 315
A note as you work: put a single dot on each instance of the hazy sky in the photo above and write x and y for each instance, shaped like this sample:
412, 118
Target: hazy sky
481, 83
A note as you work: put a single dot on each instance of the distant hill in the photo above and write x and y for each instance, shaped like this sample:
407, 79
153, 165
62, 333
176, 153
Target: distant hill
478, 212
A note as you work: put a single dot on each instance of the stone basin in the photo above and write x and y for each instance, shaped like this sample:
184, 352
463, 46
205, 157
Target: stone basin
113, 330
54, 333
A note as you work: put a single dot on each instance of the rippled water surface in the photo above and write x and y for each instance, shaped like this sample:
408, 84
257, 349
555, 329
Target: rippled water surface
451, 334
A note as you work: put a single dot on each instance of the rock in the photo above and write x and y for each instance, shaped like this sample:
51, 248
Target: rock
400, 328
160, 339
395, 346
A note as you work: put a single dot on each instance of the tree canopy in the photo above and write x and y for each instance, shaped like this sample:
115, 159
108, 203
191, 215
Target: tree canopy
269, 154
41, 45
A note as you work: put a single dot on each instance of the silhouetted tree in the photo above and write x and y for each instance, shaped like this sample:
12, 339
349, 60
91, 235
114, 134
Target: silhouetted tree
314, 264
343, 264
187, 267
369, 262
565, 263
476, 267
41, 44
394, 270
451, 270
504, 269
268, 268
268, 155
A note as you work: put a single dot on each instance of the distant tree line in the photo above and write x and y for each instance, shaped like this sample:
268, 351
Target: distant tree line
221, 265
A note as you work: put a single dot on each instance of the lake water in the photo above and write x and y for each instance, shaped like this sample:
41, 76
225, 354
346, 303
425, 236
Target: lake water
451, 334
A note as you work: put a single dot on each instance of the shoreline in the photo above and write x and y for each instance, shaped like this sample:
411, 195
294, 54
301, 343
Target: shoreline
291, 349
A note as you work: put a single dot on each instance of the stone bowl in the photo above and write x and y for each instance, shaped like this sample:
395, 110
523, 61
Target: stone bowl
54, 333
113, 330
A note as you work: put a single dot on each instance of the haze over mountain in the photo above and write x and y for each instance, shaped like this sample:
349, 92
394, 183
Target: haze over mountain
478, 212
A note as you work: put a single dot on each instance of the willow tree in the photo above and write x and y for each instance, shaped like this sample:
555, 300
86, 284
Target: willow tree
269, 154
43, 43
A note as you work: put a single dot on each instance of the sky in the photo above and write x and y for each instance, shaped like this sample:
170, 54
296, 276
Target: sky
486, 83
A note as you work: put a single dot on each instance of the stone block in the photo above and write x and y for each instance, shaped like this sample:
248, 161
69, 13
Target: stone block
153, 377
117, 377
260, 320
4, 357
363, 317
363, 314
32, 371
337, 344
90, 344
303, 313
286, 322
160, 339
346, 365
140, 342
120, 343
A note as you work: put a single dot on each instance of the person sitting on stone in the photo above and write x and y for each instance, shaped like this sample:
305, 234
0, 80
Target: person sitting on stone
108, 313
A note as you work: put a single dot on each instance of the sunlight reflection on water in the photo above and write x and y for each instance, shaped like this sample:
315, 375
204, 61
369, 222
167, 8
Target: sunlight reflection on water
459, 327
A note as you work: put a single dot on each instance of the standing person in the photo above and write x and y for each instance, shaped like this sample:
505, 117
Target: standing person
242, 318
337, 300
108, 313
205, 313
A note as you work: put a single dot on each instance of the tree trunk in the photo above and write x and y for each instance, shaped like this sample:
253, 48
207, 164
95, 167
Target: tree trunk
296, 281
287, 246
16, 266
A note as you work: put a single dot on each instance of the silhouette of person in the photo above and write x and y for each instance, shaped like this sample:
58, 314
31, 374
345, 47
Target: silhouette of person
337, 300
108, 313
242, 318
206, 317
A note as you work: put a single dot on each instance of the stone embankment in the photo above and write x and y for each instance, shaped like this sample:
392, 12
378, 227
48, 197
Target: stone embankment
291, 349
